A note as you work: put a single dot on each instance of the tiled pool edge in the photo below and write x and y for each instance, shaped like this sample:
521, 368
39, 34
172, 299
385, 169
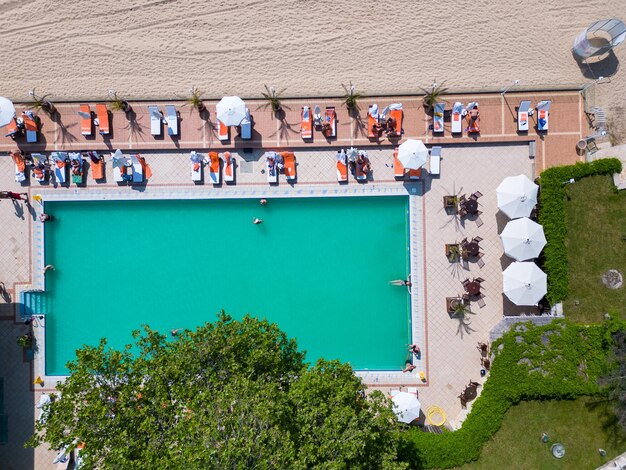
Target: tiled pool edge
416, 249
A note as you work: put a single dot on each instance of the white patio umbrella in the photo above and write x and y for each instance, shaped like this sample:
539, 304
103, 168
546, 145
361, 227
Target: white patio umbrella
7, 111
406, 406
524, 283
517, 196
231, 110
413, 154
523, 239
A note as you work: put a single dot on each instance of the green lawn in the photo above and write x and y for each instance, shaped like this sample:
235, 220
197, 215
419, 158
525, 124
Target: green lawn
581, 425
596, 226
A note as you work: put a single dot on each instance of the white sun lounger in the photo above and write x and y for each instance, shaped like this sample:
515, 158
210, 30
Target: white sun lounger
435, 160
60, 166
456, 126
137, 168
438, 118
543, 115
271, 167
43, 401
155, 120
523, 116
229, 167
196, 166
38, 160
119, 164
172, 120
246, 126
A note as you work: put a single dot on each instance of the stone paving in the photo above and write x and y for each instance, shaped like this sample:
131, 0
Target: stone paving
450, 359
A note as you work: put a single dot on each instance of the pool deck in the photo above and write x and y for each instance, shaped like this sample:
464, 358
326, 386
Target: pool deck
449, 359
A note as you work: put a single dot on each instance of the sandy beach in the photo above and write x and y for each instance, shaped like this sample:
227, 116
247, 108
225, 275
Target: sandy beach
158, 49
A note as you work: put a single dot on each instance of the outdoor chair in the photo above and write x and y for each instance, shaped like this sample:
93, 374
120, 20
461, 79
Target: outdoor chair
476, 195
481, 300
462, 199
465, 283
479, 221
477, 239
479, 260
479, 279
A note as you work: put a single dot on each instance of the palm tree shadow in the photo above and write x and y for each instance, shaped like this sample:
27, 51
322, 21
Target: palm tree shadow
464, 326
134, 129
360, 129
66, 135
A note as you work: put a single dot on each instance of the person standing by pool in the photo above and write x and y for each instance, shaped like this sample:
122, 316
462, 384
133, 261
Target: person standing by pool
43, 217
48, 267
263, 202
257, 221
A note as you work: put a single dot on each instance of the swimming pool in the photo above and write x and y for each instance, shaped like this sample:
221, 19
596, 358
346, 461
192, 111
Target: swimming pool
318, 267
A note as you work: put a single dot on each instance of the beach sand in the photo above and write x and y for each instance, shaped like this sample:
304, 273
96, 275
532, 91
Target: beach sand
158, 49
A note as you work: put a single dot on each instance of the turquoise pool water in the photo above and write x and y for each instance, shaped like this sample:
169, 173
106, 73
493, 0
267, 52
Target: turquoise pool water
318, 267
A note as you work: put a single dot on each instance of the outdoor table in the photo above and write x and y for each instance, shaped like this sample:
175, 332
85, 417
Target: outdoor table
473, 288
470, 206
470, 392
472, 249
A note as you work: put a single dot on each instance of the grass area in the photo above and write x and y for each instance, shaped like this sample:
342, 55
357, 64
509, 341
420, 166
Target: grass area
582, 426
596, 225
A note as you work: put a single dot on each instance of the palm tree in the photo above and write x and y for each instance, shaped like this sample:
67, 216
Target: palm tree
273, 98
432, 95
41, 102
195, 99
119, 104
351, 97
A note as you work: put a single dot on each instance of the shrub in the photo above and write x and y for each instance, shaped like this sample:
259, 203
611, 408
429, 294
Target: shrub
556, 361
552, 217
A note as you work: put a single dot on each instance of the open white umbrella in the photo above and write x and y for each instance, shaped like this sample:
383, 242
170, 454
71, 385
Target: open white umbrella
7, 111
517, 196
413, 154
524, 283
231, 110
406, 406
523, 239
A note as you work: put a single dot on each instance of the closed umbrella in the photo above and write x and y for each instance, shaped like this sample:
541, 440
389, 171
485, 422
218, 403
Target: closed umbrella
523, 239
406, 406
231, 110
524, 283
413, 154
7, 111
517, 196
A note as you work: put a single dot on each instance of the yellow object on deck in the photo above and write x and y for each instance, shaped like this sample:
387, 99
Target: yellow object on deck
435, 415
38, 381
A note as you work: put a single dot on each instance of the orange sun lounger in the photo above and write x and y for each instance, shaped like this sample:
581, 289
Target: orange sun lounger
214, 168
12, 129
222, 130
342, 166
289, 162
97, 169
398, 168
85, 120
398, 115
229, 168
30, 126
306, 123
103, 119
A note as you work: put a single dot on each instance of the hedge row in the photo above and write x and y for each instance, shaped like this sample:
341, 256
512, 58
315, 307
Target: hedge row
556, 361
552, 216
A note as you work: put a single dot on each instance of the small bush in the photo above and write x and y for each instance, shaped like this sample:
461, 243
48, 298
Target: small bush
552, 217
556, 361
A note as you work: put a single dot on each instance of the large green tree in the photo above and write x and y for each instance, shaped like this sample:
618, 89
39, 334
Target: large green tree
232, 394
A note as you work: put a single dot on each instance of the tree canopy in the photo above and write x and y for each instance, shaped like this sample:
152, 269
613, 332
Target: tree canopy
231, 394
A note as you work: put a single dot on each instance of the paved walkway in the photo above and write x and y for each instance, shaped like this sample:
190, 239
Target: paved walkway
498, 124
450, 359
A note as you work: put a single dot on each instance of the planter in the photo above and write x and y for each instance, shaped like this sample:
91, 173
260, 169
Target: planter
451, 204
453, 252
26, 340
